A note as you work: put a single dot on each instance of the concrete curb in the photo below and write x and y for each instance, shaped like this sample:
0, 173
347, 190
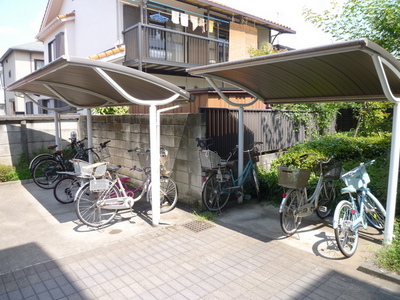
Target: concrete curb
372, 269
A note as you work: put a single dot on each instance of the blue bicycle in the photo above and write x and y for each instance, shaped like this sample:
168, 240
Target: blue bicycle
221, 181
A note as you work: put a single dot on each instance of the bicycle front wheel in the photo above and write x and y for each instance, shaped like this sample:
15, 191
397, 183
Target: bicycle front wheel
45, 173
37, 159
88, 207
168, 194
326, 198
65, 190
374, 212
215, 194
290, 220
346, 237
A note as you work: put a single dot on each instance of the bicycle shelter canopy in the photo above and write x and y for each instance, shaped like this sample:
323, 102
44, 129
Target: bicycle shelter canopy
358, 70
86, 83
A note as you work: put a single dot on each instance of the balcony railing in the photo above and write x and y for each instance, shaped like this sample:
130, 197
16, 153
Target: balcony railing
148, 43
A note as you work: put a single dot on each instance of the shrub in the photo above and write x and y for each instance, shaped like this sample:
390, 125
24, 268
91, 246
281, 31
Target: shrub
7, 173
350, 150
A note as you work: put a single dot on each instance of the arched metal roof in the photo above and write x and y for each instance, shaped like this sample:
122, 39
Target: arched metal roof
358, 70
86, 83
337, 72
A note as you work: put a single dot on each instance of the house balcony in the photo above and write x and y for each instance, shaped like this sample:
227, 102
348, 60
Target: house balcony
162, 50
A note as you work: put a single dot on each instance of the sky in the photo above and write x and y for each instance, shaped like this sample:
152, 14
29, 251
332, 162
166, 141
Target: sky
20, 20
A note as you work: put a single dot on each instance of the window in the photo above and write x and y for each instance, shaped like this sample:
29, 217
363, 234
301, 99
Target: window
43, 103
56, 47
9, 74
29, 108
39, 63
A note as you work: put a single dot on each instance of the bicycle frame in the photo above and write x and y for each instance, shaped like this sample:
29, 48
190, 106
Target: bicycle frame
311, 204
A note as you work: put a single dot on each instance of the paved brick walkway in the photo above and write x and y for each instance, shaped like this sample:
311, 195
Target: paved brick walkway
179, 263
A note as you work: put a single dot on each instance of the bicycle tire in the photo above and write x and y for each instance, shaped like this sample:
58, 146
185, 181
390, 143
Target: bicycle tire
38, 158
326, 198
87, 208
213, 195
168, 194
289, 219
256, 182
65, 189
374, 212
346, 239
45, 173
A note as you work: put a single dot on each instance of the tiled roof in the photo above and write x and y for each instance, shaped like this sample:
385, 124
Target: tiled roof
109, 52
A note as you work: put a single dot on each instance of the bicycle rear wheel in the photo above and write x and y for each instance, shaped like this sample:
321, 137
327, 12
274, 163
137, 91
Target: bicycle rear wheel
346, 237
289, 219
326, 198
215, 194
88, 207
256, 182
168, 194
65, 190
45, 173
374, 212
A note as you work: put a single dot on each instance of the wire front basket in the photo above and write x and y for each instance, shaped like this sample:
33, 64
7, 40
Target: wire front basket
293, 178
355, 179
104, 152
209, 159
85, 169
330, 170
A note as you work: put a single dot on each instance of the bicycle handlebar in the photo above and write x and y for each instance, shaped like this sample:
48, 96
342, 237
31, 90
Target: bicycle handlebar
315, 156
356, 169
203, 143
104, 144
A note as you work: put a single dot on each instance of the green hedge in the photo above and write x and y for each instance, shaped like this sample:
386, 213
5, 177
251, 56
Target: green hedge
350, 150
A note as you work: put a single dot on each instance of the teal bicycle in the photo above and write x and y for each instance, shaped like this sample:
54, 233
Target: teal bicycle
221, 181
361, 208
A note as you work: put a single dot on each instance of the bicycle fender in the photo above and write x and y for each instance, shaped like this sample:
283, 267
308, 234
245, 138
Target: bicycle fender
283, 202
336, 214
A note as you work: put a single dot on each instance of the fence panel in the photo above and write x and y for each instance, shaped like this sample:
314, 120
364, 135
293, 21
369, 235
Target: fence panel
273, 128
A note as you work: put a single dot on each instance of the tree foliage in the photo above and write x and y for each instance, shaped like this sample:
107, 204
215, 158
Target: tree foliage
113, 110
265, 48
376, 20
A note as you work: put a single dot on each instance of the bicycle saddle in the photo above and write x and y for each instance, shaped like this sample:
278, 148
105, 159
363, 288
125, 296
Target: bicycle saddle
113, 168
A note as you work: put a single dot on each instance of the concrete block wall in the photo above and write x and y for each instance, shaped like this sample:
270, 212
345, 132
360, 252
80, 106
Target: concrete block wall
178, 134
27, 135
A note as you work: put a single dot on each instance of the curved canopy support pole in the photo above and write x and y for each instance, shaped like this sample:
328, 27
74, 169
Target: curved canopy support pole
240, 127
155, 165
394, 151
57, 129
89, 133
57, 122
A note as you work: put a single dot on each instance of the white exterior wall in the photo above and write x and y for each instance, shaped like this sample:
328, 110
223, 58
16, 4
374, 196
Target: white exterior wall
94, 29
20, 63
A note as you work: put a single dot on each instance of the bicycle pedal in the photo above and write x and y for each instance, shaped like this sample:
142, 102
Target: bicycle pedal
322, 208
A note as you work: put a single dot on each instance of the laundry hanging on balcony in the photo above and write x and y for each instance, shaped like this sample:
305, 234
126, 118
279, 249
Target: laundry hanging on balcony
210, 26
175, 17
159, 18
184, 20
201, 24
195, 21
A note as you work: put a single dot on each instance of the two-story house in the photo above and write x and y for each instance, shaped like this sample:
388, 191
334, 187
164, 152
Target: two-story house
17, 62
163, 37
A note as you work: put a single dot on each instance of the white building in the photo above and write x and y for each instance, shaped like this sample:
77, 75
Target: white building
17, 62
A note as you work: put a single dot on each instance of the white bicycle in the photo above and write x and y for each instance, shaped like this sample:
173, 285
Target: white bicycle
361, 208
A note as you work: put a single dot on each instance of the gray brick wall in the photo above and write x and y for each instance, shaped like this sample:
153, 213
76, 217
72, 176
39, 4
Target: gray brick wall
178, 134
25, 135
